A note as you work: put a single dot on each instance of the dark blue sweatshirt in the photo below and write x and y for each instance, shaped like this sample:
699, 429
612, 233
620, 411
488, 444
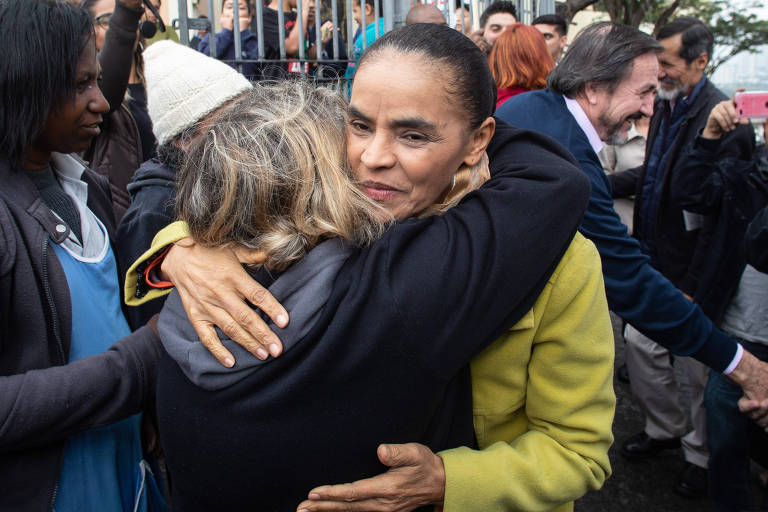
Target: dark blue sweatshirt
636, 291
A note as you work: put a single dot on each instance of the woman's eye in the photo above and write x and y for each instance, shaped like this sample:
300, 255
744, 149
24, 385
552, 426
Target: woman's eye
415, 137
357, 125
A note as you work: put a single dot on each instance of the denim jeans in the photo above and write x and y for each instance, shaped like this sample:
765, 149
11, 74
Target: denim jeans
729, 446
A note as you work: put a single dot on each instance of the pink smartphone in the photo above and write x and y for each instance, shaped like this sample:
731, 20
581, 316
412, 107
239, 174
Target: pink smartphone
753, 105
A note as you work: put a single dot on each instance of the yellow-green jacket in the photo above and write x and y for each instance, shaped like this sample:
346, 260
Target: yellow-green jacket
543, 401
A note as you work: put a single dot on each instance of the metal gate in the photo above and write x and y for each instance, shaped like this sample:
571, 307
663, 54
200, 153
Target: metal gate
339, 12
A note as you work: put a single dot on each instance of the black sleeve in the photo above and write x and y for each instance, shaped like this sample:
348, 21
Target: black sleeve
756, 240
116, 54
459, 280
624, 183
41, 406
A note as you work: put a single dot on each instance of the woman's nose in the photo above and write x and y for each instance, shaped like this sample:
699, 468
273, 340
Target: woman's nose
378, 153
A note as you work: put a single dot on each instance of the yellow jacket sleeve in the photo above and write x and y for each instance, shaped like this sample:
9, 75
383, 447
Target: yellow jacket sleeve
543, 401
135, 294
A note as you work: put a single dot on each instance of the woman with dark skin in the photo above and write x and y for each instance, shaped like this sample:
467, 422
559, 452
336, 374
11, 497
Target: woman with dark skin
69, 390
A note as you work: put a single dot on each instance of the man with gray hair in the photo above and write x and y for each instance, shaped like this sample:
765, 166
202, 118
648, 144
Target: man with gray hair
607, 79
676, 242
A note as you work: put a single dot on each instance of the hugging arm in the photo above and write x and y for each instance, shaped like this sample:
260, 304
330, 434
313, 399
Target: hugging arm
562, 428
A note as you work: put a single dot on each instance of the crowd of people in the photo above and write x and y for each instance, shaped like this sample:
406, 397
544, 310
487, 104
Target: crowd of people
224, 287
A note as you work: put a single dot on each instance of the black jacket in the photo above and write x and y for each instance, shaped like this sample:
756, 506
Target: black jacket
152, 191
756, 241
116, 152
729, 193
677, 247
387, 358
42, 398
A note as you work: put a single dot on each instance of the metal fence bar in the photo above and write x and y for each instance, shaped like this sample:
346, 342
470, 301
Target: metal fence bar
236, 30
300, 23
318, 35
451, 19
335, 21
350, 33
375, 18
212, 32
281, 28
260, 27
389, 16
364, 24
183, 24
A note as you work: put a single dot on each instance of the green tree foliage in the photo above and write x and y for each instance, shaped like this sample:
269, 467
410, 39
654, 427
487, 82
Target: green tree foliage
734, 30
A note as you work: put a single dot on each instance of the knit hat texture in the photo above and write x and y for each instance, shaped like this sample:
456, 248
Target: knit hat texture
184, 86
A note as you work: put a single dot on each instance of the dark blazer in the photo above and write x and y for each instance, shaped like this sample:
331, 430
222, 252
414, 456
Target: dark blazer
677, 247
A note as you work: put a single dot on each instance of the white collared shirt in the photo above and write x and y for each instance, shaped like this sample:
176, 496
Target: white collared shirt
584, 123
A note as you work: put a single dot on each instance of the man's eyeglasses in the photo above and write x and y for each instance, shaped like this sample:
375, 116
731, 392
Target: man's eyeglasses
103, 20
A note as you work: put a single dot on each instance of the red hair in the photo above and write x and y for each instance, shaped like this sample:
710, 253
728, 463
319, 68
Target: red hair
520, 58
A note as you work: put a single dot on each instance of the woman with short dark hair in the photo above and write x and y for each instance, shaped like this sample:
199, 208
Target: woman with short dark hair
69, 398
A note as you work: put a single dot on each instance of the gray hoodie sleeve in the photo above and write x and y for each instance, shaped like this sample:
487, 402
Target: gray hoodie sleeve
303, 290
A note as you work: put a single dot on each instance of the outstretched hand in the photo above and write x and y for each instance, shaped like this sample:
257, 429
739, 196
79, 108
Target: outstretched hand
214, 288
416, 478
752, 375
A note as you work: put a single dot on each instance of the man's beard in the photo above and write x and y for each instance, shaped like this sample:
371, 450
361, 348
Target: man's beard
616, 136
671, 94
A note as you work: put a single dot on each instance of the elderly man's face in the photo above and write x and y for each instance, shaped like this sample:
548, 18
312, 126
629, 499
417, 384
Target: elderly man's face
631, 100
676, 76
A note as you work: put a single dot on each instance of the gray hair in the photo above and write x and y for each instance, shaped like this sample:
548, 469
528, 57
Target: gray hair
270, 173
695, 35
602, 54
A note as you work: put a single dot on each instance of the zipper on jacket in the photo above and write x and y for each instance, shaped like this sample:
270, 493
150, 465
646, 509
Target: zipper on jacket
51, 304
55, 492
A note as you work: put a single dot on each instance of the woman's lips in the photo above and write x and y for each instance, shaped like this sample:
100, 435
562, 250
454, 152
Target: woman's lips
92, 130
378, 191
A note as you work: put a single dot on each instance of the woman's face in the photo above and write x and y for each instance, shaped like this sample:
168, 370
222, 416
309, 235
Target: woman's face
101, 11
71, 126
405, 136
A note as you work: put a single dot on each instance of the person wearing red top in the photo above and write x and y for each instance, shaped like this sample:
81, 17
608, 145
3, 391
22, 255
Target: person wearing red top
519, 62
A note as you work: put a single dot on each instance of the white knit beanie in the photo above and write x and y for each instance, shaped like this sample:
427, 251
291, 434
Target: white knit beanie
184, 86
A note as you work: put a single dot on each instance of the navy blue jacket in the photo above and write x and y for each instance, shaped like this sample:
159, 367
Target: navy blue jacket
225, 50
729, 193
636, 291
152, 190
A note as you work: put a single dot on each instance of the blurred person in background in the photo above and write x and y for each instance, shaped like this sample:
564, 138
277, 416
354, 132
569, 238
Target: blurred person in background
555, 31
519, 62
729, 193
462, 24
494, 20
425, 13
194, 43
225, 39
150, 27
185, 90
126, 139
